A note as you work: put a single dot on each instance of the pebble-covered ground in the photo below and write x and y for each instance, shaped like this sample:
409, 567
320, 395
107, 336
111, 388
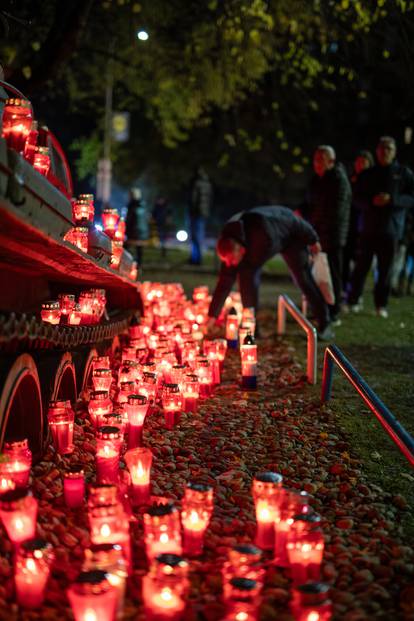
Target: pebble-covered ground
280, 427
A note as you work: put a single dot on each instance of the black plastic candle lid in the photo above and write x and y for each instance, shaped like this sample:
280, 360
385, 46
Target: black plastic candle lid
247, 548
269, 477
243, 584
169, 559
199, 487
95, 576
162, 509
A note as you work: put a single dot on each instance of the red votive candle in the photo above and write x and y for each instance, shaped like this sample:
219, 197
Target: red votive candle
99, 405
139, 461
60, 418
205, 376
18, 511
108, 446
117, 250
232, 328
92, 597
110, 219
267, 487
75, 316
109, 557
191, 392
50, 312
102, 379
244, 561
305, 546
31, 572
165, 588
248, 353
172, 404
83, 208
310, 602
136, 409
67, 305
17, 463
197, 508
162, 532
126, 388
74, 486
243, 602
101, 362
41, 160
16, 123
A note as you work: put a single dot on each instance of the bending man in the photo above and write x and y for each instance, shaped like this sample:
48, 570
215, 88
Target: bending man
249, 239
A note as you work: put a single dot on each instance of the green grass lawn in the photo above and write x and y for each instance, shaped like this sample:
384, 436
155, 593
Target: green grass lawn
382, 351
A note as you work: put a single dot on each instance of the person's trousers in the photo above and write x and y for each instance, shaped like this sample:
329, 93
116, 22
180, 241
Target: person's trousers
398, 266
197, 231
297, 260
335, 260
384, 247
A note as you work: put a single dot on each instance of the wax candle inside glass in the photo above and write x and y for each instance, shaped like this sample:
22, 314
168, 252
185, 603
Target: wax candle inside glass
232, 328
16, 122
108, 446
102, 379
139, 461
50, 312
18, 512
244, 561
191, 392
197, 508
162, 532
41, 160
310, 602
305, 546
74, 486
291, 504
110, 219
99, 405
243, 599
61, 418
172, 403
136, 409
92, 597
165, 588
16, 463
109, 557
31, 571
267, 487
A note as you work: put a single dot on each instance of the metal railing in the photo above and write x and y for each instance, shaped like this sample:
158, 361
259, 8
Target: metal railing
285, 304
392, 426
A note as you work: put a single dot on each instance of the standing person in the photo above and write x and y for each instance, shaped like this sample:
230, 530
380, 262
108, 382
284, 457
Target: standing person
160, 215
200, 206
136, 224
363, 160
328, 209
249, 239
384, 193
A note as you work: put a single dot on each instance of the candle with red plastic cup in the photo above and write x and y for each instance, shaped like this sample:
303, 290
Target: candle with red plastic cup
18, 461
172, 404
221, 350
108, 446
67, 304
291, 504
197, 508
191, 392
110, 219
305, 546
18, 512
102, 379
139, 461
99, 405
31, 143
16, 122
79, 238
200, 293
60, 418
83, 208
136, 409
120, 231
148, 386
92, 597
101, 362
248, 354
165, 588
86, 302
117, 250
74, 486
50, 312
41, 160
31, 572
310, 602
232, 328
126, 389
109, 557
205, 376
162, 532
243, 601
267, 488
244, 561
75, 316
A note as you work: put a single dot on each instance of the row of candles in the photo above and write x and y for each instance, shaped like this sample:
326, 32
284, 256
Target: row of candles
66, 311
118, 407
21, 133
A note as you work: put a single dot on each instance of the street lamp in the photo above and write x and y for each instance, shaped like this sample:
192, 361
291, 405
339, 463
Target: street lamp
142, 35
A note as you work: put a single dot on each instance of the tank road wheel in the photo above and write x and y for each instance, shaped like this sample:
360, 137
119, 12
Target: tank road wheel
21, 411
64, 383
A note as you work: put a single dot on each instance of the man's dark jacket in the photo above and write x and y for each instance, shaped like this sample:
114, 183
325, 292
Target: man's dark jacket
329, 206
398, 182
264, 232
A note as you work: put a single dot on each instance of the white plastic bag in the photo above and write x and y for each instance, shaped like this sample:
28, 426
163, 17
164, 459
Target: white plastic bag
322, 276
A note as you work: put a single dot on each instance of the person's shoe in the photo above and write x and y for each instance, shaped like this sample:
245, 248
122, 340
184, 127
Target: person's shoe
336, 322
327, 334
355, 308
382, 312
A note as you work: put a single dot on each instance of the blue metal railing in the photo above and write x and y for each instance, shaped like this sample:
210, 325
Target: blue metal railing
392, 426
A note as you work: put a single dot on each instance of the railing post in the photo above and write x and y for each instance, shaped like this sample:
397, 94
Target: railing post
281, 315
312, 356
327, 376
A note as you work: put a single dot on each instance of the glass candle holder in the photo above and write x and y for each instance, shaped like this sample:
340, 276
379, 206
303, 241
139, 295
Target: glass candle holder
61, 418
243, 601
165, 588
74, 486
126, 389
291, 504
99, 405
121, 230
31, 143
102, 379
110, 219
310, 602
243, 332
248, 353
162, 532
139, 461
66, 304
18, 462
204, 372
108, 446
110, 524
16, 122
211, 353
41, 160
79, 238
267, 488
101, 362
109, 557
86, 302
148, 386
232, 328
18, 512
221, 350
197, 508
117, 250
83, 208
191, 392
136, 409
305, 548
31, 572
244, 561
172, 404
50, 312
92, 597
75, 316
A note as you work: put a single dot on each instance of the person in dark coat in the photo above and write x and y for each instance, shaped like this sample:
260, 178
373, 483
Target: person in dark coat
249, 239
161, 214
136, 224
328, 208
200, 206
384, 193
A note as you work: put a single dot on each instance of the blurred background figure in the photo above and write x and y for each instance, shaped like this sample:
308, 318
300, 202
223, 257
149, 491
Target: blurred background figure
161, 215
137, 224
201, 200
363, 160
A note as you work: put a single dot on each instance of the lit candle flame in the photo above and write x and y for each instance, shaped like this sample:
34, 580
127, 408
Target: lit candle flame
19, 525
105, 530
90, 615
164, 538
